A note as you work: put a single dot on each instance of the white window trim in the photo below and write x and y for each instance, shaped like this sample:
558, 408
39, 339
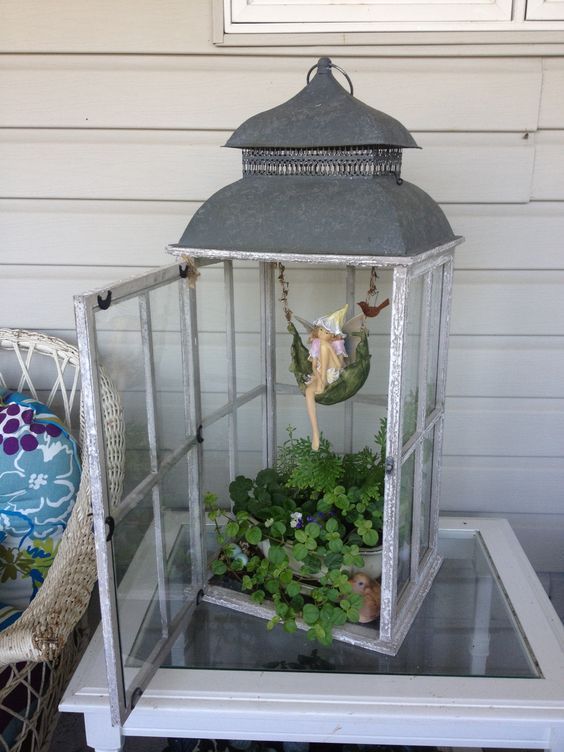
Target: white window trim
268, 23
545, 10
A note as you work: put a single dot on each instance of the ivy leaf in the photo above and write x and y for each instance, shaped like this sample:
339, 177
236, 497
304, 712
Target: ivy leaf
239, 489
253, 535
277, 555
331, 525
299, 551
218, 567
353, 614
278, 529
258, 596
290, 626
310, 613
286, 577
312, 530
370, 538
293, 588
339, 617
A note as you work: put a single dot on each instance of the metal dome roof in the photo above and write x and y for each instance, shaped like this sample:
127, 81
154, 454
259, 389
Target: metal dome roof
323, 113
321, 175
310, 216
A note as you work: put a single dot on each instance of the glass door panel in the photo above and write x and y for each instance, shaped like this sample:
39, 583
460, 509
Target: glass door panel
132, 334
411, 357
434, 339
426, 492
405, 523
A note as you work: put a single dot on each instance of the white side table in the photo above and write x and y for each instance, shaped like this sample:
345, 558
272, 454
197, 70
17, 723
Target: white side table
483, 666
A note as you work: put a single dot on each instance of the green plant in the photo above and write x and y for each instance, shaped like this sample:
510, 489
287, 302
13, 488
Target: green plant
303, 523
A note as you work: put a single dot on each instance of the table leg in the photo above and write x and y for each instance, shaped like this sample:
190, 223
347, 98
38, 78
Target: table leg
100, 734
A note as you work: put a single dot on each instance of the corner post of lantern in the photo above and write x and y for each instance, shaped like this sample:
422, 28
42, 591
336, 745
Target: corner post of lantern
420, 423
393, 454
193, 415
231, 366
445, 315
349, 404
268, 359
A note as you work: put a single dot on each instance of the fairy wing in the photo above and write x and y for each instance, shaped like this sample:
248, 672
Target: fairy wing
305, 323
352, 328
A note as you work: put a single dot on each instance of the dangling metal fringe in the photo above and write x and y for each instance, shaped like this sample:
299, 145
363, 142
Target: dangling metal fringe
285, 287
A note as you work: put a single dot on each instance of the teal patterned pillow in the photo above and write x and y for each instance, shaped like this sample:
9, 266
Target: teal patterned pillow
39, 480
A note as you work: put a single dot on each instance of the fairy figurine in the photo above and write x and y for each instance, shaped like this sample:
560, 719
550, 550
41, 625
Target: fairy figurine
336, 361
328, 356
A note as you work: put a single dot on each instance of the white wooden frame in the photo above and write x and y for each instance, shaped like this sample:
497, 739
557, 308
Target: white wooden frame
545, 10
415, 22
377, 709
345, 13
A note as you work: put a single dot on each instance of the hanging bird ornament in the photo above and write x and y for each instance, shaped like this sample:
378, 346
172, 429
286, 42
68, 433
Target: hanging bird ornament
336, 361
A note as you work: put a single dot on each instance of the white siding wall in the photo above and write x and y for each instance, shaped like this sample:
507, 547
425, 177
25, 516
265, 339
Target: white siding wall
112, 115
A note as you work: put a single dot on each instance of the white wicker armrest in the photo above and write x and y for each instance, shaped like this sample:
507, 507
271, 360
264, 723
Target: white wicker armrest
45, 626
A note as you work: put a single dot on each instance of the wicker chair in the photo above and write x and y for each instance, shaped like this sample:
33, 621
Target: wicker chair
40, 650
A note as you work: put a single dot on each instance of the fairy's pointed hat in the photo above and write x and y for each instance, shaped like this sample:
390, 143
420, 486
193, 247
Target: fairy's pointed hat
333, 322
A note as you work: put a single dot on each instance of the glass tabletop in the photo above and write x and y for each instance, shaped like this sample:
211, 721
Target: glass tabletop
465, 627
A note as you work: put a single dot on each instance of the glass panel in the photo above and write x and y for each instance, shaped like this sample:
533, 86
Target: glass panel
247, 325
138, 343
410, 372
405, 522
215, 476
119, 345
212, 347
250, 440
465, 607
434, 338
426, 492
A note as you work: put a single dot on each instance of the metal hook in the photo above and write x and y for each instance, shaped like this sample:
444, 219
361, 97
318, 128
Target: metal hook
332, 65
106, 302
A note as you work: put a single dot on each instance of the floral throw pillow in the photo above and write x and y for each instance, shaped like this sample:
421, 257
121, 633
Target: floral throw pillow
39, 480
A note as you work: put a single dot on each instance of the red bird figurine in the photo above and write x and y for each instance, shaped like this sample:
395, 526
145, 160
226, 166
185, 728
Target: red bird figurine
371, 311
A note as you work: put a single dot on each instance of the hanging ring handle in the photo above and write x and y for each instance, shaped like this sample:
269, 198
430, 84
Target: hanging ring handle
332, 65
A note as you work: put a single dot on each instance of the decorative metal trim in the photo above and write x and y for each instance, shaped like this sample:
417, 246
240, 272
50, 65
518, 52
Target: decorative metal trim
340, 161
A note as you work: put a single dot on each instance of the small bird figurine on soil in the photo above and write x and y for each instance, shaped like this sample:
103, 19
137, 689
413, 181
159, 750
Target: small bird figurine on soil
370, 591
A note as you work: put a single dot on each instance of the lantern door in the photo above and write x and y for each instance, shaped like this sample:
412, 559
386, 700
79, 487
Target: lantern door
139, 335
194, 415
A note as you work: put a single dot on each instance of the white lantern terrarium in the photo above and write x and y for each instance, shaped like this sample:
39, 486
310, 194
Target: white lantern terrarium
216, 357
